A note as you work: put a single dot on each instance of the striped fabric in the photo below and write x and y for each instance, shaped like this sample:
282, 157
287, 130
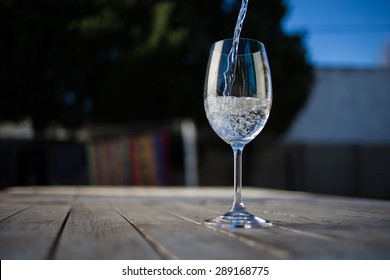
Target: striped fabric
130, 160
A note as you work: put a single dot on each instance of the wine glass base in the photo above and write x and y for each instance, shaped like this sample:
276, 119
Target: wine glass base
232, 219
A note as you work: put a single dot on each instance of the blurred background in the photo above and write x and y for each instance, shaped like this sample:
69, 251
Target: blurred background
109, 92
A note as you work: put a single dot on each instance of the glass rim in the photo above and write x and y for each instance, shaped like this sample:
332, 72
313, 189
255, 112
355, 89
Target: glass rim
261, 47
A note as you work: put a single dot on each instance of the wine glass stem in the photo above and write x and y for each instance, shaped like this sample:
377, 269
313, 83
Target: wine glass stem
238, 205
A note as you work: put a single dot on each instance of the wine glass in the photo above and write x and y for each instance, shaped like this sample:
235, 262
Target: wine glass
237, 100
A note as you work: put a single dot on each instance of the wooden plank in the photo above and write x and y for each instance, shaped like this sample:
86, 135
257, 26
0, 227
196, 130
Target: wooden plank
36, 190
38, 195
9, 209
305, 238
31, 234
139, 223
325, 208
360, 229
270, 239
185, 239
97, 231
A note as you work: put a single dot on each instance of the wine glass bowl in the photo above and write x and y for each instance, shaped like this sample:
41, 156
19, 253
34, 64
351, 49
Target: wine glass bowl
237, 101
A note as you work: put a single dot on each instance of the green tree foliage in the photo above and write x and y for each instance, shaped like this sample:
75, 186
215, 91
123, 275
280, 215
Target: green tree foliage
108, 61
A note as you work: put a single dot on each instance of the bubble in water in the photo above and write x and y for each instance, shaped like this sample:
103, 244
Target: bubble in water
236, 119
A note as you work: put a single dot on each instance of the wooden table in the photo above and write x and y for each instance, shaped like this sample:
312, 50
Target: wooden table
167, 223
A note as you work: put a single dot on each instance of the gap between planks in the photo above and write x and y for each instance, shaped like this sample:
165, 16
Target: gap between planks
163, 252
53, 249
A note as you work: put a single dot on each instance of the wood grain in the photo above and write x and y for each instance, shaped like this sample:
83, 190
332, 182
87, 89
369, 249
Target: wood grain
186, 239
167, 223
30, 234
99, 232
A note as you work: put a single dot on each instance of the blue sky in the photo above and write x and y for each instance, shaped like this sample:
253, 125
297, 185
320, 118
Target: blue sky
349, 33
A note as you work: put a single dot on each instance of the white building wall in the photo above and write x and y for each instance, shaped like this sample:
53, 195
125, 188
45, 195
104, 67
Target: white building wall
346, 106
